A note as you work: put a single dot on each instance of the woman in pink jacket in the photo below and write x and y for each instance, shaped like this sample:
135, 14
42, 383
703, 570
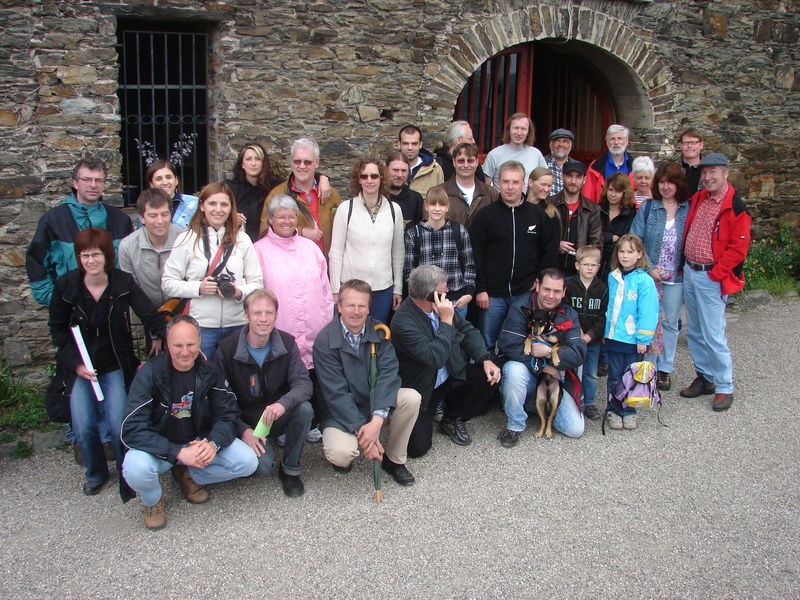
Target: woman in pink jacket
296, 271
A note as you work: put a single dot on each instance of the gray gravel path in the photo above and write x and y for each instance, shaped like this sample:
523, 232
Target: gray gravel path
705, 508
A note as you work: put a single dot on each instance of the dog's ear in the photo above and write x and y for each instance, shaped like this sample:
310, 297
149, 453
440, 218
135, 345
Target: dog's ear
527, 311
551, 316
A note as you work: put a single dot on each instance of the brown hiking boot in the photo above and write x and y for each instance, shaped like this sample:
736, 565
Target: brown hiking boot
699, 387
155, 517
193, 492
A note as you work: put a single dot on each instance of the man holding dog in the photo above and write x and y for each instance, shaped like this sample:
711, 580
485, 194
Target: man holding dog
434, 346
716, 239
522, 372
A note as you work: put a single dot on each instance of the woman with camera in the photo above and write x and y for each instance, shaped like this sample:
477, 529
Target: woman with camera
213, 263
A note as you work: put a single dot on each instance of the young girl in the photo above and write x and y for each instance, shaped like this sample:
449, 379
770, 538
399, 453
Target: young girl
631, 319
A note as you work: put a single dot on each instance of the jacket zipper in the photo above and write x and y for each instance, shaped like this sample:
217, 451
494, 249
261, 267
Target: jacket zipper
513, 247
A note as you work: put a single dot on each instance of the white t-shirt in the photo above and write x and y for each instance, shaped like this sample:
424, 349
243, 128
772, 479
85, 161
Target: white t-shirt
529, 156
467, 193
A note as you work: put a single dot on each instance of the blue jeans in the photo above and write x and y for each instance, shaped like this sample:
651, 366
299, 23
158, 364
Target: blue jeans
461, 310
589, 373
518, 387
705, 331
141, 469
381, 306
295, 424
671, 302
490, 321
87, 416
211, 336
617, 363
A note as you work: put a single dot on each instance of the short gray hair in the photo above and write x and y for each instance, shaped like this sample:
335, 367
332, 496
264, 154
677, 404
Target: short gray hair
424, 280
455, 131
305, 142
617, 129
643, 163
282, 201
183, 318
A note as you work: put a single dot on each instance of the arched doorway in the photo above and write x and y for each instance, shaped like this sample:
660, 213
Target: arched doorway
559, 83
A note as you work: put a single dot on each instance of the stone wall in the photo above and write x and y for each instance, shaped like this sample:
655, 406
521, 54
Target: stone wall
351, 73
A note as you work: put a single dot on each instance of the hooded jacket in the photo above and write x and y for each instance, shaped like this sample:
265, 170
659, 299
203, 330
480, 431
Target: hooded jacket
585, 227
51, 252
590, 304
426, 175
596, 179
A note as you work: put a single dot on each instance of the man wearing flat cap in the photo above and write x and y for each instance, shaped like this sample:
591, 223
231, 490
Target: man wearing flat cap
561, 141
581, 222
716, 238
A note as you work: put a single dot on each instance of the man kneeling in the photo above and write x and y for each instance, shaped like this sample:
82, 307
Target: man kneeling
519, 379
341, 359
181, 416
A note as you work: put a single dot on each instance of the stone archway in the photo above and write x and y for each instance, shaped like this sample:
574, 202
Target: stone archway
645, 96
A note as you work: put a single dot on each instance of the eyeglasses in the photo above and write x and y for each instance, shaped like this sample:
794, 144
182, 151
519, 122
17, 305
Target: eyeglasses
92, 255
466, 161
365, 176
306, 163
88, 180
690, 142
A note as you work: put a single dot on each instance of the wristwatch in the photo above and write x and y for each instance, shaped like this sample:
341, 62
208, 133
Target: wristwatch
215, 444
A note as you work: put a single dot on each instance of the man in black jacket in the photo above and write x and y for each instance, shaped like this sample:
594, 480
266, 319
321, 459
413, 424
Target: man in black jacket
434, 345
264, 370
181, 416
512, 241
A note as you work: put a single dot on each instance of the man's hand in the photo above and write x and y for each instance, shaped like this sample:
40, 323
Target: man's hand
368, 438
565, 247
273, 412
443, 307
189, 456
324, 189
396, 300
586, 338
552, 371
84, 373
255, 443
540, 350
312, 233
464, 301
492, 372
482, 300
155, 347
206, 453
242, 219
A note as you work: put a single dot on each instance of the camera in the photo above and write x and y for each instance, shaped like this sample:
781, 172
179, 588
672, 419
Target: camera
225, 285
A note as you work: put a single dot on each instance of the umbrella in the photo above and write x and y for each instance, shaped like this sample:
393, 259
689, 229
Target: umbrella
373, 378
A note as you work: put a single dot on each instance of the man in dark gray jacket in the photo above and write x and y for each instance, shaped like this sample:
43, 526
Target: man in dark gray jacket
341, 359
434, 345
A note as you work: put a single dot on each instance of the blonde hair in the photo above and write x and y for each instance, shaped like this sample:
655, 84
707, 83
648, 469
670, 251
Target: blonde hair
586, 252
636, 243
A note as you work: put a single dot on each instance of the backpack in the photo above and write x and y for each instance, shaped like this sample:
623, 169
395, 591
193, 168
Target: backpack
637, 388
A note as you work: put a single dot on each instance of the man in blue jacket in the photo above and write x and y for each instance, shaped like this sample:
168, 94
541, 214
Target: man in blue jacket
520, 379
50, 254
181, 416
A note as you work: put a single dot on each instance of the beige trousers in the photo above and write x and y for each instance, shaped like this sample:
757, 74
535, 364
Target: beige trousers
341, 448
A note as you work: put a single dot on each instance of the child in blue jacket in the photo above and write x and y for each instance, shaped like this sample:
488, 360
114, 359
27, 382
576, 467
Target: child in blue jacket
631, 319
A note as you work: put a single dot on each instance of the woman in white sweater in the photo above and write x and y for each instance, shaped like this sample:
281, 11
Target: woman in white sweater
367, 239
213, 263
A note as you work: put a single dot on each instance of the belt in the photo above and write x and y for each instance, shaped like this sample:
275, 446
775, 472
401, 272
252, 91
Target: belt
699, 267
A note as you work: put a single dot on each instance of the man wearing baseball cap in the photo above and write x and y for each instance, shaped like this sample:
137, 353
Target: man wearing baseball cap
560, 146
716, 238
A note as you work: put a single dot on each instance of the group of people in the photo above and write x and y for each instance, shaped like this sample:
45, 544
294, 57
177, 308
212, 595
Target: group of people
265, 304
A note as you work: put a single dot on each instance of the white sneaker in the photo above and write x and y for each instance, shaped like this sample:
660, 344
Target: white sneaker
314, 435
614, 421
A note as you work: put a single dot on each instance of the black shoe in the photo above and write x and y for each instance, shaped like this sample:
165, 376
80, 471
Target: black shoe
456, 429
591, 412
92, 489
398, 472
438, 414
663, 381
339, 469
508, 438
602, 368
292, 484
699, 387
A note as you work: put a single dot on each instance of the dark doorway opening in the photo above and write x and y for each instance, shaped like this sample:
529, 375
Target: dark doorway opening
163, 83
550, 82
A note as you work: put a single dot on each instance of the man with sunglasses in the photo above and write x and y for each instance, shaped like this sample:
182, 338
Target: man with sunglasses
315, 217
50, 253
467, 192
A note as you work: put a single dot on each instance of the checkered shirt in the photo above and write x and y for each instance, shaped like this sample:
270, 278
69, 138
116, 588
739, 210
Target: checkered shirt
698, 240
438, 247
558, 175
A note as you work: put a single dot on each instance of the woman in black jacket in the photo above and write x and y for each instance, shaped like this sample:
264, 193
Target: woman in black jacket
97, 297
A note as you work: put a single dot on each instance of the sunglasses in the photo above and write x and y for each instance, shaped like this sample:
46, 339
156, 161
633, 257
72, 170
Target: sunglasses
297, 162
365, 176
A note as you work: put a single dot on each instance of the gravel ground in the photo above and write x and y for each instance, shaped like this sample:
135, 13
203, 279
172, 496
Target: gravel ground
704, 508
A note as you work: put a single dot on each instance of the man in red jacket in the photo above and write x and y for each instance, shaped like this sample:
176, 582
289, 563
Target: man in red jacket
716, 238
614, 160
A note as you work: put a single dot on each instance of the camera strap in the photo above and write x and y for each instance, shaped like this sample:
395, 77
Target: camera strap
223, 252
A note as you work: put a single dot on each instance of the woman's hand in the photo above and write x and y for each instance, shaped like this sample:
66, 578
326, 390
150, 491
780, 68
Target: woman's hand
463, 301
208, 286
242, 219
83, 372
396, 300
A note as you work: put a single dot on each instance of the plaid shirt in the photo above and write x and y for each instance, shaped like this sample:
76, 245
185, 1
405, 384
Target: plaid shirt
698, 239
558, 174
428, 246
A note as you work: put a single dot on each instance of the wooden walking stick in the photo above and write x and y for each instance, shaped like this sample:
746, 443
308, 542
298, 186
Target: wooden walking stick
373, 378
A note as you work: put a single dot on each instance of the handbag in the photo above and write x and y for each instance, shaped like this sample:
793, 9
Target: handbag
57, 395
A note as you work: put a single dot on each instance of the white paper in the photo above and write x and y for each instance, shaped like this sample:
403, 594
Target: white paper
87, 362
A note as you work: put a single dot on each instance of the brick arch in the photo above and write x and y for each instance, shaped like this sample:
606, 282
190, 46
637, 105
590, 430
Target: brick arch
618, 50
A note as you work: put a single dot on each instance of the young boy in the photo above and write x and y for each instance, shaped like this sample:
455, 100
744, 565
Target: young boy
588, 295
